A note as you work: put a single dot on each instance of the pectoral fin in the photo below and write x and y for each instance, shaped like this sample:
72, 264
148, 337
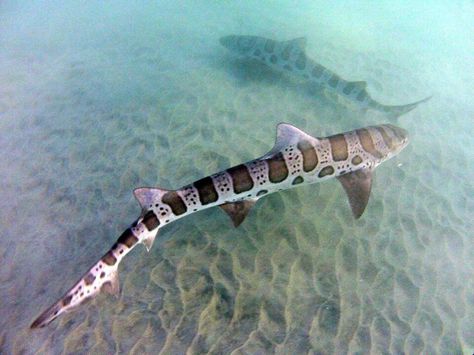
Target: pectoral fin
299, 42
237, 211
357, 186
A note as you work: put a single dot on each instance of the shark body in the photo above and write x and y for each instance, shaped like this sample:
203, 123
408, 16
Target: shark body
290, 57
296, 159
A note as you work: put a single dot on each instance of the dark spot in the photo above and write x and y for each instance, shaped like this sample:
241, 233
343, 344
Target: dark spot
328, 170
338, 147
333, 81
310, 158
298, 180
109, 258
356, 160
241, 178
127, 238
348, 88
317, 71
277, 169
262, 192
89, 279
172, 199
286, 52
102, 274
206, 190
66, 302
150, 220
386, 138
367, 143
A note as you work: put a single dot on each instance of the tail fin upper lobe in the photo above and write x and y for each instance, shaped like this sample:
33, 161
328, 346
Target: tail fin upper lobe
398, 110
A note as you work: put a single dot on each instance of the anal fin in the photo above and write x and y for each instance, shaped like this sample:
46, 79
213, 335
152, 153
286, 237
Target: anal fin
237, 211
357, 186
148, 241
299, 42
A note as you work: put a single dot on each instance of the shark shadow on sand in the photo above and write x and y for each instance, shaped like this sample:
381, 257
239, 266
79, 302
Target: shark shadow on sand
289, 57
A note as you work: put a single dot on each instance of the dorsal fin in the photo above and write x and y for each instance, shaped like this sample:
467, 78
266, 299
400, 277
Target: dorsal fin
361, 85
147, 195
287, 135
357, 186
299, 42
237, 211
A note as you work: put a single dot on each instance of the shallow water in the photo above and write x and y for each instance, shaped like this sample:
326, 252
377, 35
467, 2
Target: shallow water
97, 100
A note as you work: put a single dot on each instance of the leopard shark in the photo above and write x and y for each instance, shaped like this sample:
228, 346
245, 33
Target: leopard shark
296, 159
290, 58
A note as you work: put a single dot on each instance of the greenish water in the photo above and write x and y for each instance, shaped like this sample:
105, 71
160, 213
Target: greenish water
99, 98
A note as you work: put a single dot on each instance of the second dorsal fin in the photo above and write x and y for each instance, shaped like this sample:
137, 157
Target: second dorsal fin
299, 42
147, 195
237, 211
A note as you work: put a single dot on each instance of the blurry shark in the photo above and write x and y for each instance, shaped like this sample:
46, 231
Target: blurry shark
296, 159
290, 57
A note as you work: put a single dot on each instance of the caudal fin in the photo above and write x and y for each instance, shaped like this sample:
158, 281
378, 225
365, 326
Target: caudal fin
397, 111
102, 276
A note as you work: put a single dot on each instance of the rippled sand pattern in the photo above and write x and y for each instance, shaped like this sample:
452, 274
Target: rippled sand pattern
299, 276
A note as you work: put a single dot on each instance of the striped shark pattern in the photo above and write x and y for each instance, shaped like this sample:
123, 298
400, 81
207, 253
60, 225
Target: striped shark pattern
290, 57
296, 159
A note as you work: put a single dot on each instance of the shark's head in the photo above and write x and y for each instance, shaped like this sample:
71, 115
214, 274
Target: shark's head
242, 45
399, 138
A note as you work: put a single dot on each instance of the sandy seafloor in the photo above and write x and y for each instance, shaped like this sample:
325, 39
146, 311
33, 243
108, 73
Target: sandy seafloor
101, 97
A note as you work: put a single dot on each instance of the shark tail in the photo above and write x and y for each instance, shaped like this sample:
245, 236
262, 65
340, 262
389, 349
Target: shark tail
102, 276
397, 111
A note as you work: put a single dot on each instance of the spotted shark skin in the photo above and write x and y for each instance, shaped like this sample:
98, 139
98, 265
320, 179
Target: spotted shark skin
296, 159
290, 57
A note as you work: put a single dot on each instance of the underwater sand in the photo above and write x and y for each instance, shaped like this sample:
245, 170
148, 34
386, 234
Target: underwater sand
98, 100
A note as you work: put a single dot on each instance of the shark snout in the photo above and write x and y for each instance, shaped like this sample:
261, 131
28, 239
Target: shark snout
400, 137
401, 133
